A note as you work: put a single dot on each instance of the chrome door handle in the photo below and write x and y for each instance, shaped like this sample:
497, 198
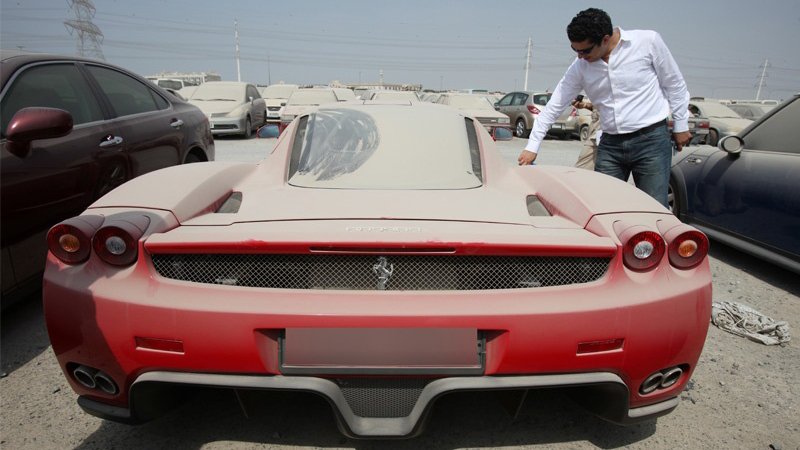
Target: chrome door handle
694, 161
111, 141
176, 123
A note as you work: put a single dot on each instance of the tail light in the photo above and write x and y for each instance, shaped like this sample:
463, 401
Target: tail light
642, 248
70, 240
687, 247
117, 242
533, 109
704, 124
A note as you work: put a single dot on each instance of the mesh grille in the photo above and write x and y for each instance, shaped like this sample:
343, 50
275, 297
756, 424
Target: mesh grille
382, 397
370, 272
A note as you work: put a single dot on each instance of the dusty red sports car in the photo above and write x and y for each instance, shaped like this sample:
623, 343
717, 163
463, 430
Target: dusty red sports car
381, 256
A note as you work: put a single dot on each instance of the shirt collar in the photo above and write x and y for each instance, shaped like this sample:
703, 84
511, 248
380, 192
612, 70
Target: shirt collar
624, 35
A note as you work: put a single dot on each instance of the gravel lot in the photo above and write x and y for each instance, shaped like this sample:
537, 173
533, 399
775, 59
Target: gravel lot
743, 394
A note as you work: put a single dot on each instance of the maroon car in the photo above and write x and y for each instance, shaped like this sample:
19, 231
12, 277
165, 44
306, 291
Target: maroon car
72, 130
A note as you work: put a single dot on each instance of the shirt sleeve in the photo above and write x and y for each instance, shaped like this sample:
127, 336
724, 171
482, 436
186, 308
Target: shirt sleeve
566, 90
672, 84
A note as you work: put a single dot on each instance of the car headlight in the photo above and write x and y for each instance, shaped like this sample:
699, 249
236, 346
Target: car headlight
503, 120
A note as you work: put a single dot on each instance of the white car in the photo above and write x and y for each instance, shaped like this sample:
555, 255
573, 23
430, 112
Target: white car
232, 107
303, 99
275, 96
476, 105
723, 120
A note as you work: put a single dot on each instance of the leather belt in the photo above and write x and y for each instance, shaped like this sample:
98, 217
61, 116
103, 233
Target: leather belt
640, 131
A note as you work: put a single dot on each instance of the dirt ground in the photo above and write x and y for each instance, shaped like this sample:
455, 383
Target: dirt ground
743, 395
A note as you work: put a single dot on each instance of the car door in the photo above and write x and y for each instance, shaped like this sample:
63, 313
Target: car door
755, 195
57, 177
258, 108
145, 128
504, 105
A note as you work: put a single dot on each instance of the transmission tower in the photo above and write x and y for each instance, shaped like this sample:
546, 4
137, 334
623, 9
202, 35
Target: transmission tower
761, 82
89, 36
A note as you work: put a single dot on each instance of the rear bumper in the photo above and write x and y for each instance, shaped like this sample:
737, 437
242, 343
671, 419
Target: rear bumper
614, 408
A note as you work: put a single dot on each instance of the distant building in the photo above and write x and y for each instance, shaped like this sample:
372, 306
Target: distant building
188, 78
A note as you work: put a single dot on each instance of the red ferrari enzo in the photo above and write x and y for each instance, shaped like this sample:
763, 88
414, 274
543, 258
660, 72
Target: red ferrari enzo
381, 256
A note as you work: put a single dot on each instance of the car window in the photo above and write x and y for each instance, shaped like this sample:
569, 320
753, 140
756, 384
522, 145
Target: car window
779, 132
474, 149
126, 94
505, 101
519, 99
541, 99
253, 92
380, 149
55, 86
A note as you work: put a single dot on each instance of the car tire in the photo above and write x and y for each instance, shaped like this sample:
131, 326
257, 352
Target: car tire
192, 158
584, 133
520, 130
674, 198
713, 137
248, 128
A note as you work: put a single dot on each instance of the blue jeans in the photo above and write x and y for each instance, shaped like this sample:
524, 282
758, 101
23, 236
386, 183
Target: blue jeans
648, 156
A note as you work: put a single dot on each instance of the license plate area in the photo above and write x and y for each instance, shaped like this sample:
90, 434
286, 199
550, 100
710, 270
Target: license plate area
382, 351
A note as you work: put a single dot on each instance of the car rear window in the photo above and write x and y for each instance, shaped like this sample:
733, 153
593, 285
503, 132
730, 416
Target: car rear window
385, 147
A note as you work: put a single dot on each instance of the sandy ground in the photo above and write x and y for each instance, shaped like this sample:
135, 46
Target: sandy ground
743, 395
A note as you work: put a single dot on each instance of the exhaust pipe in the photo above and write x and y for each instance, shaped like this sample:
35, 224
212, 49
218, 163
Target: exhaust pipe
651, 383
105, 383
85, 376
671, 377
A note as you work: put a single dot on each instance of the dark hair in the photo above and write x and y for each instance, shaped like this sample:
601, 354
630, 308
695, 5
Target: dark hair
592, 24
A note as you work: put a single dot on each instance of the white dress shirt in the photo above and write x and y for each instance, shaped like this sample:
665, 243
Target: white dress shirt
639, 86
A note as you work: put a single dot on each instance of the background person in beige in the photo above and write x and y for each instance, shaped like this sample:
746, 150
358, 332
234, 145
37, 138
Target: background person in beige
589, 153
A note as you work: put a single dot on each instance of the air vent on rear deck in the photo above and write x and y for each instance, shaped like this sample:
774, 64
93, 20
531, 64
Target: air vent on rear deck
536, 207
231, 204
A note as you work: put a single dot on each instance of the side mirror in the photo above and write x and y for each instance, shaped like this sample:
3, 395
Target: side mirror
283, 104
497, 106
731, 144
268, 131
30, 124
502, 134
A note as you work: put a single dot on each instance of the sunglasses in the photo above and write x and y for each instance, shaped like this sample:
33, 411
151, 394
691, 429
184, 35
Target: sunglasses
583, 51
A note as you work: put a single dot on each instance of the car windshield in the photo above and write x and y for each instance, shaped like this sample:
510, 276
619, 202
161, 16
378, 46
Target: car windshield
380, 147
170, 84
311, 97
470, 102
278, 91
712, 109
219, 92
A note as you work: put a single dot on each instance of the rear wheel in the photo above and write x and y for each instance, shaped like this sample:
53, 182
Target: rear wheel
673, 199
584, 133
713, 137
520, 130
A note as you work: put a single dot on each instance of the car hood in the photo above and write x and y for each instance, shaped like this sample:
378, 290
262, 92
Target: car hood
215, 107
484, 113
274, 101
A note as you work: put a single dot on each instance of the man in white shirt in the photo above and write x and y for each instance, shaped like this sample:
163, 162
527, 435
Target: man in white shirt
634, 83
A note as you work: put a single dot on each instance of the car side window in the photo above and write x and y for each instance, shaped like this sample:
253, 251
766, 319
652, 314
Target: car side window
505, 101
519, 99
779, 133
126, 94
59, 86
474, 149
252, 92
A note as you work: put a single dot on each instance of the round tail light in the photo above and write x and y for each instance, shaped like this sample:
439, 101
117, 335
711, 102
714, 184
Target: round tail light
688, 249
643, 250
117, 243
70, 240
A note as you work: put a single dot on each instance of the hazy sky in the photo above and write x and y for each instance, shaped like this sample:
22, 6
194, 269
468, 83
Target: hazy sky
720, 45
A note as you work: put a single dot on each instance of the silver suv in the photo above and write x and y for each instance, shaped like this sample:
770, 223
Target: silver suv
522, 109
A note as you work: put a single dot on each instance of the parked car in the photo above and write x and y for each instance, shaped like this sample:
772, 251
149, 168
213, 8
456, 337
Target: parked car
344, 94
746, 193
749, 110
523, 108
698, 126
477, 106
275, 96
382, 256
303, 99
723, 121
233, 107
71, 130
386, 95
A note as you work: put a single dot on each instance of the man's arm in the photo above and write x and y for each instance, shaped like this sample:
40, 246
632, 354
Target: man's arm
674, 87
562, 97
